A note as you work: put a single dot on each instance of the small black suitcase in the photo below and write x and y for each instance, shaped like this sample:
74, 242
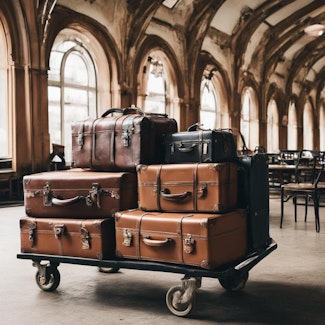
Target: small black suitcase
253, 195
200, 146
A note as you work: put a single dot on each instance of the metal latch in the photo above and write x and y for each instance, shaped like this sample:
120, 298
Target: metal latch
32, 232
127, 236
188, 244
80, 139
85, 238
94, 195
126, 136
47, 195
59, 230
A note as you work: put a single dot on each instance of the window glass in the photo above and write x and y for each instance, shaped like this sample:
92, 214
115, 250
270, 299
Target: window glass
292, 127
4, 113
209, 112
245, 118
308, 125
322, 128
272, 127
155, 101
72, 91
75, 70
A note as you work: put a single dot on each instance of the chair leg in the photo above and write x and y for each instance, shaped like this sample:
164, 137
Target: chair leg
306, 206
282, 198
294, 199
316, 209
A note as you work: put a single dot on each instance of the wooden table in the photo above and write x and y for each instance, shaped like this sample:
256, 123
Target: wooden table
280, 174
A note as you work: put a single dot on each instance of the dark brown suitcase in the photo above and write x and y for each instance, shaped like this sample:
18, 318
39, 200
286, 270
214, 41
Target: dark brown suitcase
89, 238
120, 142
205, 240
207, 187
79, 193
200, 146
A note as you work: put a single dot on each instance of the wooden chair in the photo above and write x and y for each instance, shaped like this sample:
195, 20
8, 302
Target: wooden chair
309, 189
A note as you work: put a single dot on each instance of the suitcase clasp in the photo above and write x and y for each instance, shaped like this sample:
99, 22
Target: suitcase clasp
32, 232
80, 139
188, 244
47, 195
202, 191
59, 230
126, 136
127, 236
94, 195
85, 238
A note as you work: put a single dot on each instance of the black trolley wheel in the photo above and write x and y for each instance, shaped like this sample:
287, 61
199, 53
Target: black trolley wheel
234, 281
50, 281
104, 269
176, 303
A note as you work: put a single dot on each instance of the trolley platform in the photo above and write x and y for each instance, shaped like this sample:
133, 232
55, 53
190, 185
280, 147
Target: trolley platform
179, 299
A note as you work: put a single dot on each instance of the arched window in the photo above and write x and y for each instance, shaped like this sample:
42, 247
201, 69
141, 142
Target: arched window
292, 127
5, 146
155, 101
272, 127
157, 84
72, 89
322, 128
210, 108
308, 125
249, 127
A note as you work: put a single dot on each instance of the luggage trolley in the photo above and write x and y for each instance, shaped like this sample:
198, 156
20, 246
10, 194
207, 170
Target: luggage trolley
179, 299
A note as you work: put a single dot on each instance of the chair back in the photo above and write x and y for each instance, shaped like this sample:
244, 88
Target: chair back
314, 163
305, 167
319, 167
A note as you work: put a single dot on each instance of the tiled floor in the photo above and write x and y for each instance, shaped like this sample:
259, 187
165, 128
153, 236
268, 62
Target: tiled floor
287, 287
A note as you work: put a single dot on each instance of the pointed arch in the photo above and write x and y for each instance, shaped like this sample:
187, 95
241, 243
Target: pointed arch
156, 60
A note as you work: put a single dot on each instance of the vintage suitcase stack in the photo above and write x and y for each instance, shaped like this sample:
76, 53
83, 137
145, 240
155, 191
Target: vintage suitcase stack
71, 212
188, 212
141, 190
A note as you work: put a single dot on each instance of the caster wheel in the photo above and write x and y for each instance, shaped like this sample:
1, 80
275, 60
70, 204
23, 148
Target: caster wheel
176, 303
234, 282
108, 269
50, 281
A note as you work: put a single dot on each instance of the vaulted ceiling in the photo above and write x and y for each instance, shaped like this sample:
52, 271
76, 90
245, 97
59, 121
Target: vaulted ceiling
274, 40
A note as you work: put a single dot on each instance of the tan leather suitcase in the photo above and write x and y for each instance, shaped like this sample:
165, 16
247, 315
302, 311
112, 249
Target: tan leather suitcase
88, 238
79, 193
206, 187
120, 139
204, 240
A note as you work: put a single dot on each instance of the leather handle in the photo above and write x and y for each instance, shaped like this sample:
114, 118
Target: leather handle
67, 202
186, 149
123, 111
155, 242
165, 193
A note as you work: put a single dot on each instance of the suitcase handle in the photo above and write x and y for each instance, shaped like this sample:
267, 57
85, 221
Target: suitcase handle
155, 242
186, 149
124, 111
66, 202
165, 193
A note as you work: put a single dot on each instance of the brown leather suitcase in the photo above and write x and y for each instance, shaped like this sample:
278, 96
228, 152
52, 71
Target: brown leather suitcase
206, 187
120, 139
88, 238
79, 193
204, 240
